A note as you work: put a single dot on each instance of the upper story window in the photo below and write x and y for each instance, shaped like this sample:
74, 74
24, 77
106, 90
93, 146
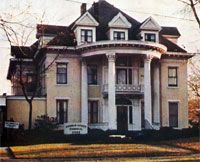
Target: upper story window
31, 82
150, 37
61, 73
86, 35
172, 76
119, 35
92, 74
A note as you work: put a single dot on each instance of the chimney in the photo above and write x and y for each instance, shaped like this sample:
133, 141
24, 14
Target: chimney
83, 8
96, 11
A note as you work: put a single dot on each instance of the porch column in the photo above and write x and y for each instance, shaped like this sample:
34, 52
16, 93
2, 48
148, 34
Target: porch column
84, 93
156, 101
147, 93
112, 112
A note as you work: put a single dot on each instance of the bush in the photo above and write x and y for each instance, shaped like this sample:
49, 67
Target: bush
45, 123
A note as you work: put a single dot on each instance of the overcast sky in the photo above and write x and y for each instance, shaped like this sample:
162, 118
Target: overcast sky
63, 12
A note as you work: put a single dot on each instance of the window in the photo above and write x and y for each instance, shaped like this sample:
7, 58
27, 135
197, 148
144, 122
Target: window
119, 35
62, 111
150, 37
31, 82
93, 112
61, 73
172, 77
86, 35
173, 114
130, 115
92, 74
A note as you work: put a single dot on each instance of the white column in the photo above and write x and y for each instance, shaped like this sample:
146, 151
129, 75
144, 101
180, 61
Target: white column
84, 93
147, 93
112, 112
156, 101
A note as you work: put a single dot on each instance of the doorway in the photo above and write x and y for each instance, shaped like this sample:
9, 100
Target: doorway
122, 118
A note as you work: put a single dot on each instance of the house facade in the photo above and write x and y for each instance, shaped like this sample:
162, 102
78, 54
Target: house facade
106, 70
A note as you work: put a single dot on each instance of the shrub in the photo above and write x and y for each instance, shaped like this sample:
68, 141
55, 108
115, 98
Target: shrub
45, 123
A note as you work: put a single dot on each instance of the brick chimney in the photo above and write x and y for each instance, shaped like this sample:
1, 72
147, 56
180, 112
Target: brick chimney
83, 8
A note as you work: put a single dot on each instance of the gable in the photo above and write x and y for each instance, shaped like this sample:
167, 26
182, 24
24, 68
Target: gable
150, 24
86, 20
119, 21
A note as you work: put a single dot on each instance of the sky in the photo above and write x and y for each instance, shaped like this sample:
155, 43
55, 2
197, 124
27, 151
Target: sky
64, 12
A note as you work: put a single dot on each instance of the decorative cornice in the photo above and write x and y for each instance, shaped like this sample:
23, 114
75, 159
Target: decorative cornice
111, 56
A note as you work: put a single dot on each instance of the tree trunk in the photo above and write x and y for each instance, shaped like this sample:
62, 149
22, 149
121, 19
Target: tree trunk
30, 115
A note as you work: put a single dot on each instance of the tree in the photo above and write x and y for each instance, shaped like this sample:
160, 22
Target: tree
194, 87
18, 34
193, 4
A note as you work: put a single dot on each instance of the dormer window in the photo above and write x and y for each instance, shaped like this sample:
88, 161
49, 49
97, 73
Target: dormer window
119, 35
149, 30
86, 35
150, 37
118, 27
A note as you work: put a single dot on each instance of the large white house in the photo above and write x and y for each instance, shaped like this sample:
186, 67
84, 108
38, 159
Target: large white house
111, 72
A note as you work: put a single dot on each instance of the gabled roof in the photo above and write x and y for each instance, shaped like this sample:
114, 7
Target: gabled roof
119, 21
104, 12
150, 24
173, 31
87, 20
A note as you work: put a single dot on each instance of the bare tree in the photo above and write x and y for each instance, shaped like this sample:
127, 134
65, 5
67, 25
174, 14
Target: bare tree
193, 4
18, 34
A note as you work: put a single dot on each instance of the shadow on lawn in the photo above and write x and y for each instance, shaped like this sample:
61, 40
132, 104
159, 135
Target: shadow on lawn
98, 137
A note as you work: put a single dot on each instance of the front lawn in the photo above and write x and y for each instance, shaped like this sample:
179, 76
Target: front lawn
69, 150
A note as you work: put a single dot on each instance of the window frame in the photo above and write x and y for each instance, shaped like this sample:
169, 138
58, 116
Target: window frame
93, 116
30, 82
93, 81
85, 36
173, 77
148, 35
119, 34
65, 111
130, 112
176, 124
58, 73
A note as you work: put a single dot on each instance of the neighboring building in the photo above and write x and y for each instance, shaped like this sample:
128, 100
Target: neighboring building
111, 72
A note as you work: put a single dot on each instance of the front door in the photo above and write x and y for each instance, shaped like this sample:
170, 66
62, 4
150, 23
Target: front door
122, 118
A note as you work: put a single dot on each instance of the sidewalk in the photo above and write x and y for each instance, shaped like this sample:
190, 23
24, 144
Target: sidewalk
192, 157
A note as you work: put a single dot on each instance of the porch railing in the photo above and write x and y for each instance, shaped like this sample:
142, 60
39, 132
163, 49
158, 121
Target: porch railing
125, 88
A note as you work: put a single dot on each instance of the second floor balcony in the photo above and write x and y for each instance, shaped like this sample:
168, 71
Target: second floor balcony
125, 88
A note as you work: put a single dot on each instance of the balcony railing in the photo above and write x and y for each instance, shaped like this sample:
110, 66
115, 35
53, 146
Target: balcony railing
125, 88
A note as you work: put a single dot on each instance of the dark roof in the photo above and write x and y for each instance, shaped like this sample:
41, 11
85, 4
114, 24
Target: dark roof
104, 12
171, 47
170, 31
52, 30
22, 51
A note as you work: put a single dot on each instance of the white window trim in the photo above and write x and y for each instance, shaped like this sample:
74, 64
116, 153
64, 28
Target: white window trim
150, 32
112, 30
98, 101
171, 87
68, 102
62, 62
173, 101
78, 34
